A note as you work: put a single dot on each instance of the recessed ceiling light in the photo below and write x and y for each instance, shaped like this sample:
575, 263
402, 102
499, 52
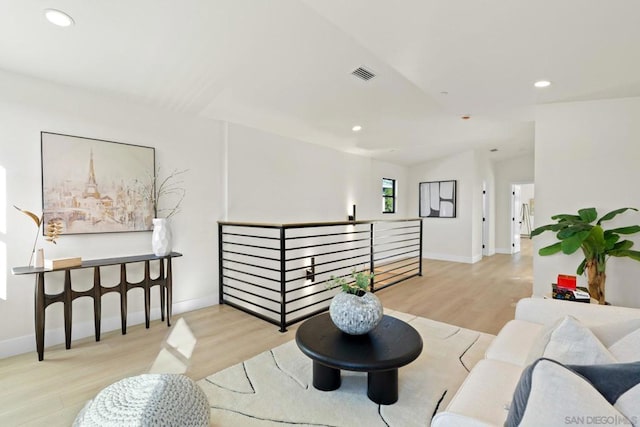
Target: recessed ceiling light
542, 83
58, 18
356, 128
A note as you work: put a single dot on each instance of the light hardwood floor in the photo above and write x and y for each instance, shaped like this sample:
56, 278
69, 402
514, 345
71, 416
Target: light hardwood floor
479, 296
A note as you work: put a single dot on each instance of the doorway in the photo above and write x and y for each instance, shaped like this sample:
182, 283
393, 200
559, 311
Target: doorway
485, 220
522, 215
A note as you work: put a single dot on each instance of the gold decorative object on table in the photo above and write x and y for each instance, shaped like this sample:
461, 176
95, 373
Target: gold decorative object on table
51, 232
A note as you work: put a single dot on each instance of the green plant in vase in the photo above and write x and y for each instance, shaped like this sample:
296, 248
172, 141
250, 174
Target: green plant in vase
361, 282
354, 311
582, 231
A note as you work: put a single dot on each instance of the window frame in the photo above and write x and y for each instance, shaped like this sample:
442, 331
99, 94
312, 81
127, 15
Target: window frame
392, 196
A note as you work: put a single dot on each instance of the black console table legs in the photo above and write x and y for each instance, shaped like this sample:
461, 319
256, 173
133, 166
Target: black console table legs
39, 315
42, 300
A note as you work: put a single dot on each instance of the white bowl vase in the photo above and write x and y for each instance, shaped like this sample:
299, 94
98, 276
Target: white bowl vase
161, 237
355, 315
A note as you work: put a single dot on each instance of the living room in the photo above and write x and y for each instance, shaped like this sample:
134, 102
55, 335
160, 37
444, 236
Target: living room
263, 160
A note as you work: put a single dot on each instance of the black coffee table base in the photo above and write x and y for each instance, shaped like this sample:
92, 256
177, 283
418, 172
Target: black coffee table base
391, 345
382, 386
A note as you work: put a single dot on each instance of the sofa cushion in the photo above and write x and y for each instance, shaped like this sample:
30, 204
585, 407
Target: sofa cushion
483, 397
569, 341
513, 342
621, 338
549, 393
546, 311
627, 349
610, 333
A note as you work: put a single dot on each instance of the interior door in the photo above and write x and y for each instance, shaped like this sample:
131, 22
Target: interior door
485, 221
516, 223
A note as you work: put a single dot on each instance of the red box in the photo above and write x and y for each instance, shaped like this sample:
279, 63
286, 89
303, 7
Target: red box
566, 281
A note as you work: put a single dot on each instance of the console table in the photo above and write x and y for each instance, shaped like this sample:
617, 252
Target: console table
43, 300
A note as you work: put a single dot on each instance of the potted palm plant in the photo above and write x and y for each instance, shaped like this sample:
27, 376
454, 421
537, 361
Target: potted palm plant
582, 231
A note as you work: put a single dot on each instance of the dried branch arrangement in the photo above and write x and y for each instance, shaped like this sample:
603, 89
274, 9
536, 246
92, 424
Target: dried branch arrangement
169, 189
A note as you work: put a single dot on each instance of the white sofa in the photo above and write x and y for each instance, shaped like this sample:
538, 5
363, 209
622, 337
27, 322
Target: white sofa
485, 396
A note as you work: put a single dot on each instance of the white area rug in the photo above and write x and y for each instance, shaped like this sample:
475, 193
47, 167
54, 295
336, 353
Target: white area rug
275, 388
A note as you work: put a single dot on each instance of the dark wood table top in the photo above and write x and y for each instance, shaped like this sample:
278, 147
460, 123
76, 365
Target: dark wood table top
392, 344
96, 263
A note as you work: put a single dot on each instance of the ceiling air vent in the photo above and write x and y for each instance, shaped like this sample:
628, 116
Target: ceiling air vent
363, 73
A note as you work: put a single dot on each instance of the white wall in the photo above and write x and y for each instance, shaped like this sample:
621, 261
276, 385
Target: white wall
236, 173
518, 170
587, 155
28, 106
277, 179
453, 239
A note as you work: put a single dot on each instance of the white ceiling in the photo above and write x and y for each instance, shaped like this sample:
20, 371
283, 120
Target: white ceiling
284, 65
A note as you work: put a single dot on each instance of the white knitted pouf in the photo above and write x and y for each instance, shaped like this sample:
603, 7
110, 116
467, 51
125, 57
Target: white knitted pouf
148, 400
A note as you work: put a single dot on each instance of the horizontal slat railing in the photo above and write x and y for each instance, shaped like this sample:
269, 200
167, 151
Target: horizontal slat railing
280, 272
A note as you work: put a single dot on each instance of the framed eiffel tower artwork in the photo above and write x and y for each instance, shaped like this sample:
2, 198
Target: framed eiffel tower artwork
94, 186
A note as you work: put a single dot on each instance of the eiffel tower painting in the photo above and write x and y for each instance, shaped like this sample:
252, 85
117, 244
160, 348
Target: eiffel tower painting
91, 188
95, 186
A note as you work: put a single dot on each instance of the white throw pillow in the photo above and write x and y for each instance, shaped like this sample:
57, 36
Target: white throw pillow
570, 342
550, 394
629, 404
627, 349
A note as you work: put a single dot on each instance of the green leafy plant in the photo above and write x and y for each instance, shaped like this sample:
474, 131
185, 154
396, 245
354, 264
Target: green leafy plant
361, 282
580, 232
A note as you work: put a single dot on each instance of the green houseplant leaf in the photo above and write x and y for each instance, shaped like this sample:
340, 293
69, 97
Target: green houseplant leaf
580, 269
612, 214
550, 250
566, 217
588, 214
571, 230
626, 253
632, 229
549, 227
577, 232
574, 242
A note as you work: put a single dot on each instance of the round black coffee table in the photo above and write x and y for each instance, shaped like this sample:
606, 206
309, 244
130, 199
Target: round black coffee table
392, 344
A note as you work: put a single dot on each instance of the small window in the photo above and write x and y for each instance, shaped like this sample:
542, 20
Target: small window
388, 195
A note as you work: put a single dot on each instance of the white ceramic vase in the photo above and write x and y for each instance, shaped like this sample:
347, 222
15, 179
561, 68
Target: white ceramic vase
355, 315
161, 237
37, 258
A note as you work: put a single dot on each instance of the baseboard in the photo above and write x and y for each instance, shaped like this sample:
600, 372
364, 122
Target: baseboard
506, 251
194, 304
452, 258
27, 343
